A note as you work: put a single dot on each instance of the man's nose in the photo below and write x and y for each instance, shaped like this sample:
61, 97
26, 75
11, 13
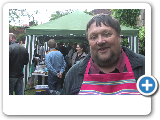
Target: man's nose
100, 40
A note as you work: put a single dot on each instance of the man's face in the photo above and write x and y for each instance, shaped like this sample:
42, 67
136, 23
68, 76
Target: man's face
104, 44
11, 39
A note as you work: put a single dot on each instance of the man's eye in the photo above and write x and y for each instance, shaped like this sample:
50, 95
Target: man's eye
106, 34
93, 37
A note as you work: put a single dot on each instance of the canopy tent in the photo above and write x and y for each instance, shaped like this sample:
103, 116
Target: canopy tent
68, 28
73, 24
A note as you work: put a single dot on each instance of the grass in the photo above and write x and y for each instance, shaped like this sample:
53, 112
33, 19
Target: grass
29, 91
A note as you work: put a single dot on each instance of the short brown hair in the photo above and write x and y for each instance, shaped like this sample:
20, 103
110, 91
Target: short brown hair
52, 43
107, 20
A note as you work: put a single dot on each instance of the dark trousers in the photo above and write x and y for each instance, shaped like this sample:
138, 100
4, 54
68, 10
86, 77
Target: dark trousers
53, 82
17, 85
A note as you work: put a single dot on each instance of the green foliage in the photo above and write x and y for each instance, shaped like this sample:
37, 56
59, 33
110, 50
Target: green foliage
126, 17
142, 40
125, 42
21, 37
56, 16
13, 15
16, 14
59, 14
90, 13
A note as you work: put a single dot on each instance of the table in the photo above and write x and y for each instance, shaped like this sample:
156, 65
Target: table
43, 77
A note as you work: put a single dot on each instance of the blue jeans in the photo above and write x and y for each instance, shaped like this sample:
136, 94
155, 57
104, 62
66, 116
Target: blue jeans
53, 82
17, 85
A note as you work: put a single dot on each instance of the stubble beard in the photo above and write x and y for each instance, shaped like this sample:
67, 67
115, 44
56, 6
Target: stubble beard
109, 61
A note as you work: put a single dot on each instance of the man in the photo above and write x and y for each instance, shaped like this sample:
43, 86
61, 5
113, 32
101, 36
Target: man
69, 47
18, 57
63, 49
41, 52
109, 68
55, 64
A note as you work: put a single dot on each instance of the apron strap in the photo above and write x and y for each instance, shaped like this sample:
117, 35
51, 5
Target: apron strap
128, 65
87, 69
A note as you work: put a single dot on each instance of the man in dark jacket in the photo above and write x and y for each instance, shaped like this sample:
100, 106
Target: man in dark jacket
18, 57
63, 49
109, 68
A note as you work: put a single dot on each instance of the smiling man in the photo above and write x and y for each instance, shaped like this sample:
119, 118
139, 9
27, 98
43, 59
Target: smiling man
109, 68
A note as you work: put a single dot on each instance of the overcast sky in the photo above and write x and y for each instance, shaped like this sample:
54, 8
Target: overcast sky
42, 17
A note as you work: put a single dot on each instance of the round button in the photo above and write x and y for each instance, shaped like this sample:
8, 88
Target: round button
147, 85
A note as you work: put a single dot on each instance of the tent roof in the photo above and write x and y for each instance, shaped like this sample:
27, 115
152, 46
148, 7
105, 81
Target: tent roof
72, 24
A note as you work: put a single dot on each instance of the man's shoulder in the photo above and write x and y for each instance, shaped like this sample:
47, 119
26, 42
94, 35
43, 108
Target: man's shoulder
80, 67
75, 76
72, 80
16, 45
54, 53
137, 62
134, 58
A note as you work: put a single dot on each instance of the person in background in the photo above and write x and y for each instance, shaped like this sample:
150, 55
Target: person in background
69, 47
55, 64
63, 49
58, 46
87, 48
41, 52
70, 54
35, 63
80, 54
18, 57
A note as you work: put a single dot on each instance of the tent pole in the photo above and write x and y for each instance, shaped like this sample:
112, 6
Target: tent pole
25, 66
28, 65
138, 44
38, 46
135, 46
24, 69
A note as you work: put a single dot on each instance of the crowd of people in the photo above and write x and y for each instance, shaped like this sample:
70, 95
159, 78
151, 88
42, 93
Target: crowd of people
64, 57
81, 69
68, 56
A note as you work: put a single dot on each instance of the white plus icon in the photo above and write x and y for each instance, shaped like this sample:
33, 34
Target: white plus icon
147, 85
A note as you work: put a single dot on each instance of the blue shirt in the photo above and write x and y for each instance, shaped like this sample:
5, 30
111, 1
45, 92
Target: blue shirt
55, 62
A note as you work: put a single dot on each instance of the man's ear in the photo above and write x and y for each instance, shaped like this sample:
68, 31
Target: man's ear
119, 38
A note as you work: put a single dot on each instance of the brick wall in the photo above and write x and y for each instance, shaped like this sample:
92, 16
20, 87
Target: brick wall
19, 30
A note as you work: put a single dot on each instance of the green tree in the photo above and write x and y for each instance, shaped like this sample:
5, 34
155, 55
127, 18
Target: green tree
142, 40
59, 14
90, 13
21, 37
125, 42
126, 17
16, 14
